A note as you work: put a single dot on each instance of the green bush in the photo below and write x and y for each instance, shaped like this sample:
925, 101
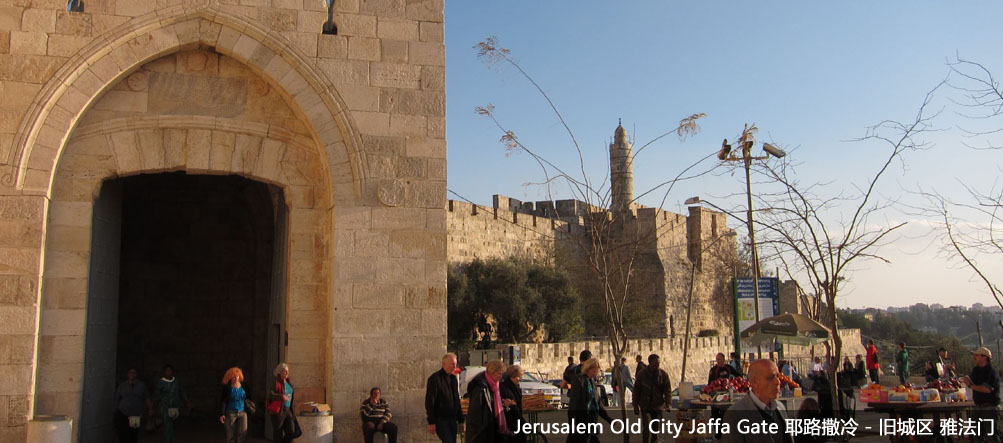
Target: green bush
513, 300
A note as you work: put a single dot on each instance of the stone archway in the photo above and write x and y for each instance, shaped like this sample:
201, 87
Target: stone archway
106, 62
308, 164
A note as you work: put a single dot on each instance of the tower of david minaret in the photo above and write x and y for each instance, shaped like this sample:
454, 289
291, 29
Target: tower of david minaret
621, 170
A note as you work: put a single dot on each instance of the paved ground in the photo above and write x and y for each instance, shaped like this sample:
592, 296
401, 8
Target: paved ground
203, 431
864, 420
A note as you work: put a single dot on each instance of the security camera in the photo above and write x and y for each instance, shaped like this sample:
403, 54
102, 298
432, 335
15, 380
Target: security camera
773, 150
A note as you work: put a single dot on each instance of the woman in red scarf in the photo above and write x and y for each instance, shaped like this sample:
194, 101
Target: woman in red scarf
486, 416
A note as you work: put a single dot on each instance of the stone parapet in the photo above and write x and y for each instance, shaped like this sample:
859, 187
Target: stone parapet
549, 359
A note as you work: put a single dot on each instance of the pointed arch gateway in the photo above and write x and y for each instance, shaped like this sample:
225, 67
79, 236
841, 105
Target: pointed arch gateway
71, 144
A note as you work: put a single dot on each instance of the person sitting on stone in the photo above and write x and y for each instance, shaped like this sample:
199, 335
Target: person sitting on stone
376, 417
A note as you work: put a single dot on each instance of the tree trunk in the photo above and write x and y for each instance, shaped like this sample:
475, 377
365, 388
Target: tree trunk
837, 352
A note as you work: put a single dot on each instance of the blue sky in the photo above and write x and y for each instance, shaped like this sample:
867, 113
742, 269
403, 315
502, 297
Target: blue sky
810, 75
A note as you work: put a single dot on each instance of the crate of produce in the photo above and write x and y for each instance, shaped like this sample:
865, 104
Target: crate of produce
872, 395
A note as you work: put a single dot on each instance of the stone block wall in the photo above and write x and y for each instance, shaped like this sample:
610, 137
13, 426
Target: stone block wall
669, 244
480, 232
550, 359
350, 127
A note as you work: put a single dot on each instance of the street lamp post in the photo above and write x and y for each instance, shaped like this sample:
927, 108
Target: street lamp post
747, 140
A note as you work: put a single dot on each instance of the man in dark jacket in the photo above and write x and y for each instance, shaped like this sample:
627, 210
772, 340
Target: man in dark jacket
572, 372
442, 402
759, 408
985, 386
640, 366
722, 369
484, 420
652, 393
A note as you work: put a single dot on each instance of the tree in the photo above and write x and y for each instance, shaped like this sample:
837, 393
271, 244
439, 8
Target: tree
616, 251
972, 225
511, 300
808, 233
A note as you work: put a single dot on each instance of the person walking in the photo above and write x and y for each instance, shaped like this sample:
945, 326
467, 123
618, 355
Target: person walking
873, 365
640, 366
585, 406
902, 364
376, 417
626, 379
279, 403
233, 397
568, 371
167, 395
131, 400
486, 421
442, 402
511, 396
572, 373
985, 385
653, 394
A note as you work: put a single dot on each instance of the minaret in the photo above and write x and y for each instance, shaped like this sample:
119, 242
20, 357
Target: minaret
621, 170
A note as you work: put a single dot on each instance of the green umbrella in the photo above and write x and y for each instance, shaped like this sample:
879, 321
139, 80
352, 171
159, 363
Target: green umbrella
794, 329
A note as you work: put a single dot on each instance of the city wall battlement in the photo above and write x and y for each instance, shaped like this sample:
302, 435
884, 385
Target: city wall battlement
513, 227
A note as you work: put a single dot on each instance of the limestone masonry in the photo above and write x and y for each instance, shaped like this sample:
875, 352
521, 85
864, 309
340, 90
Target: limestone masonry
339, 141
671, 245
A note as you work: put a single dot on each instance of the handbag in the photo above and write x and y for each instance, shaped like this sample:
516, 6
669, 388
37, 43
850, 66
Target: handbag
273, 407
297, 432
250, 407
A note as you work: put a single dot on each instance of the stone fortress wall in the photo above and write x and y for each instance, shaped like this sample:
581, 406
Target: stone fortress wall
550, 359
540, 230
475, 231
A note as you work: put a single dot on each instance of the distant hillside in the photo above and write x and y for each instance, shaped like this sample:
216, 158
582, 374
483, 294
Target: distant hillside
956, 322
889, 329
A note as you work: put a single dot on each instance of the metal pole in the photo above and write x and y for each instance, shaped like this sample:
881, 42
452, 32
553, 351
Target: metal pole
978, 328
746, 152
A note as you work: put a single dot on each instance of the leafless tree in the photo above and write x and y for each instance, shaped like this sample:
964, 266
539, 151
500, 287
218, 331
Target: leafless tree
614, 249
817, 236
974, 238
971, 225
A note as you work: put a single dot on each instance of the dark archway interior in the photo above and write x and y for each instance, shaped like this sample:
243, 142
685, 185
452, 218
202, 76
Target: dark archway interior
195, 283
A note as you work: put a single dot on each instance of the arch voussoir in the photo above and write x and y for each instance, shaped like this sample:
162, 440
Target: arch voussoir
99, 66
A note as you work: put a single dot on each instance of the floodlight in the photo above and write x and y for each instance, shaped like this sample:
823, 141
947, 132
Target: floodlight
773, 150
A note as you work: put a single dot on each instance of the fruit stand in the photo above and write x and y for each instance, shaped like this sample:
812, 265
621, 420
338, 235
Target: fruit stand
936, 401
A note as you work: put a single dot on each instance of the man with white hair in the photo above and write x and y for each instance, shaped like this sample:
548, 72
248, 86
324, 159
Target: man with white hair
759, 409
442, 402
